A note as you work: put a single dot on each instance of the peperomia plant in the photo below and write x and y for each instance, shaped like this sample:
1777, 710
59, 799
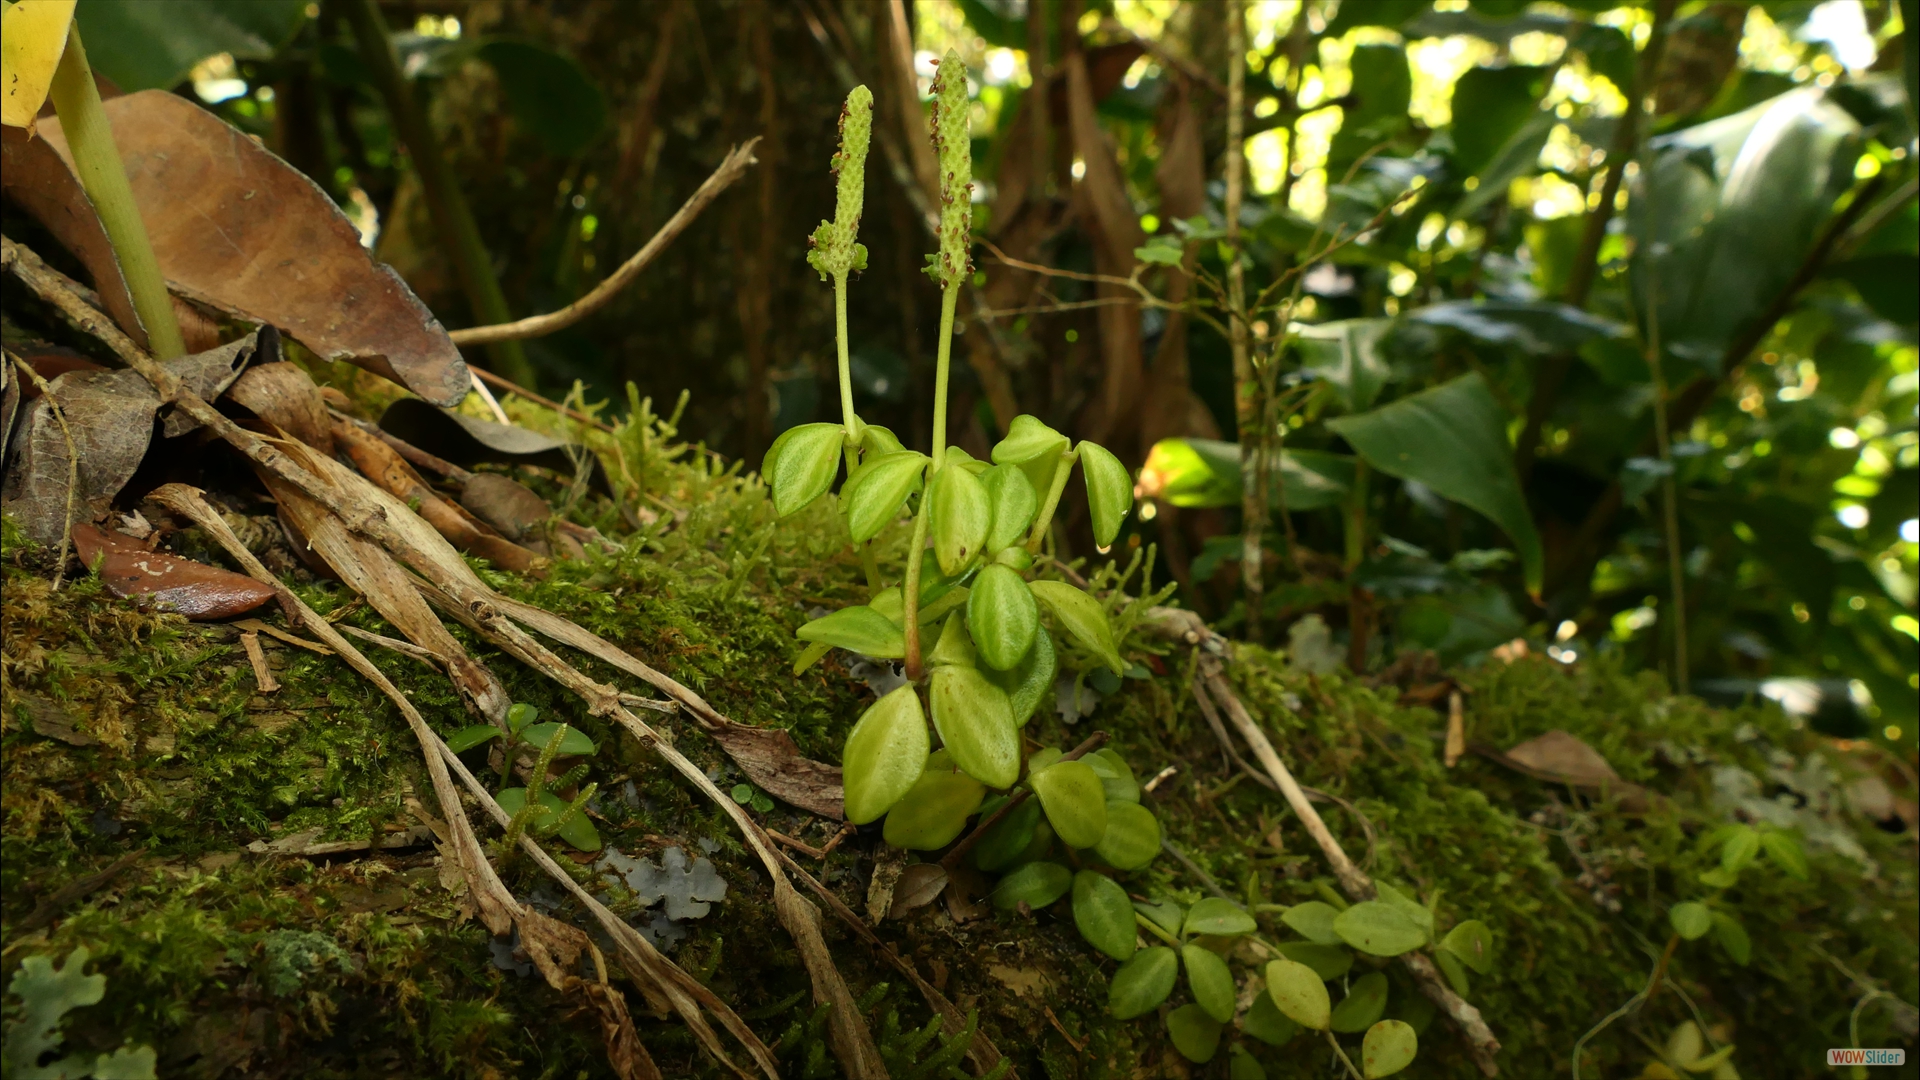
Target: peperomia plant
536, 808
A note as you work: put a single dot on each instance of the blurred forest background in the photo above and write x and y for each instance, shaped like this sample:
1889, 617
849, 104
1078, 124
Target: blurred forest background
1587, 323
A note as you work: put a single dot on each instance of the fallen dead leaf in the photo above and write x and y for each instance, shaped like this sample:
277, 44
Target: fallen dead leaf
170, 583
386, 468
773, 761
283, 395
467, 442
506, 504
1024, 982
918, 886
1566, 758
888, 866
51, 720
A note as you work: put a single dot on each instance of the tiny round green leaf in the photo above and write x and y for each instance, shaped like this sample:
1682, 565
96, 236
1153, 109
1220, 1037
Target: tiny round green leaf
743, 793
1103, 914
1132, 838
1210, 981
976, 725
1109, 491
1003, 617
1014, 504
1036, 885
1242, 1065
1195, 1034
1390, 1046
1313, 920
885, 754
1143, 982
1472, 942
1363, 1005
1299, 994
1212, 915
875, 492
1379, 928
1075, 803
960, 517
520, 714
934, 811
801, 463
1691, 920
1081, 616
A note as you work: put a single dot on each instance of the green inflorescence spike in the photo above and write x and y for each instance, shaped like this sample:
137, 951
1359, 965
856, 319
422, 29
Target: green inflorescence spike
953, 145
834, 250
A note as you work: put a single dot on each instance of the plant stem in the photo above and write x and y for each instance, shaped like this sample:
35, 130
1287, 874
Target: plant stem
90, 138
1044, 520
452, 219
1344, 1059
1247, 396
1358, 608
948, 298
851, 420
910, 590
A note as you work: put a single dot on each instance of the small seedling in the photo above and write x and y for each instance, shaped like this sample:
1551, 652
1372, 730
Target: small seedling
535, 808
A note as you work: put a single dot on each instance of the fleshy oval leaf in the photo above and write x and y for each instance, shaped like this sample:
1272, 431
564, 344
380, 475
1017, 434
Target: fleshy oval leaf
1313, 920
934, 810
800, 465
1115, 774
860, 629
1691, 920
1109, 491
955, 645
1327, 961
1210, 981
1455, 970
1075, 803
1014, 503
1143, 982
976, 725
1267, 1023
1003, 845
1212, 915
574, 741
1030, 683
960, 516
469, 737
1081, 616
1132, 839
1390, 1046
1299, 994
1194, 1033
879, 441
1472, 942
1003, 617
1363, 1005
877, 489
885, 755
1036, 885
1378, 928
1103, 914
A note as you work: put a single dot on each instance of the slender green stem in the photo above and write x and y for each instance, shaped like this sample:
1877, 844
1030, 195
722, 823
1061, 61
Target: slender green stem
1154, 928
84, 122
910, 590
852, 421
948, 298
1344, 1059
1044, 520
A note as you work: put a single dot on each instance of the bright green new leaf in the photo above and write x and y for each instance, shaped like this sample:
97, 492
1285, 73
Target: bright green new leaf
1379, 928
886, 752
878, 441
961, 517
1212, 915
877, 489
799, 467
860, 629
578, 830
1014, 503
1207, 472
1472, 942
1691, 920
1103, 914
1044, 758
1003, 617
1166, 914
520, 714
934, 810
1454, 968
1785, 852
574, 742
1037, 885
1030, 683
1209, 980
1075, 803
1267, 1023
1081, 616
1115, 774
937, 599
1299, 993
1109, 490
1034, 447
469, 737
1194, 1033
1328, 961
1390, 1046
1004, 844
1741, 845
955, 645
1313, 920
1732, 938
1453, 439
976, 724
1363, 1005
811, 655
1132, 839
1143, 982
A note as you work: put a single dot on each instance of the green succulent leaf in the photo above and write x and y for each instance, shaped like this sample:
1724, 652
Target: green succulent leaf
877, 441
1037, 885
1378, 928
1413, 909
1265, 1021
933, 811
1732, 938
520, 714
1194, 1033
1299, 994
1455, 969
1003, 845
955, 645
1132, 839
1143, 982
1389, 1046
1109, 490
1003, 617
1785, 852
799, 467
1242, 1065
961, 517
1313, 920
1210, 981
976, 724
1104, 915
1363, 1005
1014, 503
1691, 920
469, 737
877, 489
574, 742
1328, 961
1081, 616
1472, 942
1029, 683
860, 629
937, 600
1075, 803
1165, 914
578, 831
1115, 774
810, 655
885, 754
1034, 448
1222, 918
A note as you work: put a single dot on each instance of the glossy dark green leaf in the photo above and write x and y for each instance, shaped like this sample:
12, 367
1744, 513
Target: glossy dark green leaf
1346, 355
574, 741
1195, 1034
1299, 994
1732, 937
1539, 327
1379, 928
1455, 969
1785, 852
1031, 682
1003, 845
1490, 106
1209, 981
799, 467
1075, 803
1036, 885
1003, 617
1109, 490
1143, 982
142, 45
1132, 839
1115, 774
1212, 915
1472, 942
1014, 504
1265, 1021
1390, 1046
960, 517
1313, 920
1453, 439
1081, 616
954, 645
886, 752
1363, 1005
578, 831
550, 95
1103, 914
1691, 919
875, 492
1329, 961
933, 811
976, 724
1035, 448
469, 737
860, 629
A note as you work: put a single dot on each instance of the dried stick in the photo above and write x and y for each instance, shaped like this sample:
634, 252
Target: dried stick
731, 168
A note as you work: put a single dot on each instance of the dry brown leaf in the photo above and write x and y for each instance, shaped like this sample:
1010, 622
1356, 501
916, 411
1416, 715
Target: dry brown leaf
918, 886
506, 504
467, 442
386, 468
239, 230
168, 582
283, 395
1565, 758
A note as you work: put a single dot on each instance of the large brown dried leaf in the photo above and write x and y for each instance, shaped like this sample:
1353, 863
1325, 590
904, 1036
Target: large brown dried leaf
285, 396
386, 468
1565, 758
506, 504
167, 582
239, 230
